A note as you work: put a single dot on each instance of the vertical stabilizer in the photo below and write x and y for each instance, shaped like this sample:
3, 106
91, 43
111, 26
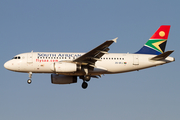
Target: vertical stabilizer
157, 43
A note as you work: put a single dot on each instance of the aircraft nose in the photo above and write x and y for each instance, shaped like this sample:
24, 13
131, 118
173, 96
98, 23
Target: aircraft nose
6, 65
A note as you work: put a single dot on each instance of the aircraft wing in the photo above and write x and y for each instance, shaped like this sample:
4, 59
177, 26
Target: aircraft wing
94, 55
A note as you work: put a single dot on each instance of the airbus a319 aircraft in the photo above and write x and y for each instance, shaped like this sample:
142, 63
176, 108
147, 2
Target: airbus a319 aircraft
65, 68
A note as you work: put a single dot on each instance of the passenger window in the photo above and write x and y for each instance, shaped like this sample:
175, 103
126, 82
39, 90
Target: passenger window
19, 57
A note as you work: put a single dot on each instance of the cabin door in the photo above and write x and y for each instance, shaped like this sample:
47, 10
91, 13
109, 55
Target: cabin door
30, 57
135, 60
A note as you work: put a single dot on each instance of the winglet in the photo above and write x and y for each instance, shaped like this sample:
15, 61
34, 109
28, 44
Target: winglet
115, 39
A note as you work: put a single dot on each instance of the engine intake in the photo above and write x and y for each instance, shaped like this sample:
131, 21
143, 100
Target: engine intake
63, 79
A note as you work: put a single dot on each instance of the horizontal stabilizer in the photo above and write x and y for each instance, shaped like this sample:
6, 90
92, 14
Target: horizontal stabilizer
162, 56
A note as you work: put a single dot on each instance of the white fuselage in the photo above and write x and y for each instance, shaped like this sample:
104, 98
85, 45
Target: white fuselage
42, 62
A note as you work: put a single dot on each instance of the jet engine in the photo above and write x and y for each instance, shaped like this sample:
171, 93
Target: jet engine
64, 67
63, 79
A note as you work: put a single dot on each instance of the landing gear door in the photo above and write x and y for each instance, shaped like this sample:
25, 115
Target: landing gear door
30, 57
135, 60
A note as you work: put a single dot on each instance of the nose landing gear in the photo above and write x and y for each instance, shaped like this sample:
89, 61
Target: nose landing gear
29, 81
30, 76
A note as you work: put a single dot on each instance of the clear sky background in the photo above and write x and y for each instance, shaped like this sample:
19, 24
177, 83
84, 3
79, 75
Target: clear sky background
79, 26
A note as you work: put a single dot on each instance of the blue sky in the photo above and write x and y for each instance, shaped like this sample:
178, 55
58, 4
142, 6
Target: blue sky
79, 26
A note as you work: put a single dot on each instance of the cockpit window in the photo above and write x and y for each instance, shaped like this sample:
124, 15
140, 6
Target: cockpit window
16, 57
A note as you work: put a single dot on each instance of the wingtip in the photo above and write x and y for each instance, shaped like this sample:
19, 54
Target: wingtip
115, 39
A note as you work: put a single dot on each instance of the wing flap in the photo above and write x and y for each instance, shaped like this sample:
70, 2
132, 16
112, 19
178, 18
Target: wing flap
94, 55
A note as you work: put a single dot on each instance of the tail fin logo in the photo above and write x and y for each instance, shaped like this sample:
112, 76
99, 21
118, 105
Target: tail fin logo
157, 43
162, 33
160, 46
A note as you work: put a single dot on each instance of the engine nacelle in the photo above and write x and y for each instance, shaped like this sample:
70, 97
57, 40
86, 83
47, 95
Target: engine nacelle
63, 79
64, 67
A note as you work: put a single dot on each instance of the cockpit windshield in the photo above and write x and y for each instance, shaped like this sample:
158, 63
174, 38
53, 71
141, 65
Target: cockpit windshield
16, 57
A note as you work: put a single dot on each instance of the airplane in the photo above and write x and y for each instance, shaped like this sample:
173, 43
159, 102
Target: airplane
65, 68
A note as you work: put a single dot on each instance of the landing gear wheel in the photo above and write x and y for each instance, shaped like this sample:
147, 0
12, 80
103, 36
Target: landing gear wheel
29, 81
84, 85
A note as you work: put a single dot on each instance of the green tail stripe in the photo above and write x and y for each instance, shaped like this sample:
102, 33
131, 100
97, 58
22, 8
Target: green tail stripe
151, 42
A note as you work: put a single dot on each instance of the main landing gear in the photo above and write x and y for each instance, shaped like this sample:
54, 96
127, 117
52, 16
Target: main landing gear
85, 80
84, 85
30, 76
